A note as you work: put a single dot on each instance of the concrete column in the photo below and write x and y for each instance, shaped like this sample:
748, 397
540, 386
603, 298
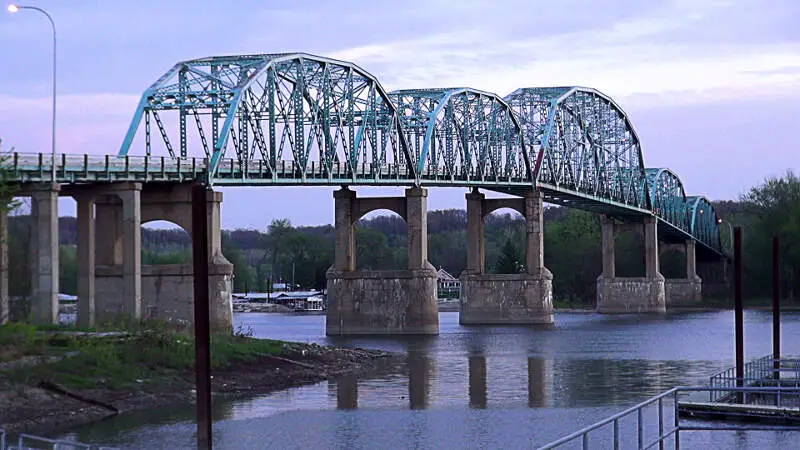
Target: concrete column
214, 200
132, 251
534, 230
608, 234
345, 251
417, 219
86, 260
475, 234
651, 247
4, 304
44, 305
691, 259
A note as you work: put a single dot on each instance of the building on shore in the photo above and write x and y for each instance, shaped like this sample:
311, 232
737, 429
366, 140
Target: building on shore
447, 286
296, 300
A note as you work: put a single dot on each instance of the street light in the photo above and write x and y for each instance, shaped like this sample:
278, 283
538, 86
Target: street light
15, 8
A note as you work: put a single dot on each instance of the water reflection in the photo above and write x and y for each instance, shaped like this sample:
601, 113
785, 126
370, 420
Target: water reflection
537, 379
471, 387
346, 392
478, 392
420, 369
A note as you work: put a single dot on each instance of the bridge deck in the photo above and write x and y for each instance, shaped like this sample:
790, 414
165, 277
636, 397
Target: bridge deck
88, 169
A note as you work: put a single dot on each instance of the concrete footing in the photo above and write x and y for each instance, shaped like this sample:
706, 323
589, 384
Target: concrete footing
631, 295
382, 302
683, 291
508, 299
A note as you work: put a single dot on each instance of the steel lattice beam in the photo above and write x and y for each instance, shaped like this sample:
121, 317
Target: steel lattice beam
300, 119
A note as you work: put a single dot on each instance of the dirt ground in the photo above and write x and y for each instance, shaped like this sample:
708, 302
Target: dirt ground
36, 408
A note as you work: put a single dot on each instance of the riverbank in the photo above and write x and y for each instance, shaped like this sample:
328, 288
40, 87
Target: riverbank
53, 380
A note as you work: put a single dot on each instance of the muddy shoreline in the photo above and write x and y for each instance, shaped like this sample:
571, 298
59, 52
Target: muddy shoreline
39, 408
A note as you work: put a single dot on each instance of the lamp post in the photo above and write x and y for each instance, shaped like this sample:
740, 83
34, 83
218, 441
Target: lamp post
15, 8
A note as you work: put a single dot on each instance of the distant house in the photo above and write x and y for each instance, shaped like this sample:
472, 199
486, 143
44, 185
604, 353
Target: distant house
447, 285
297, 300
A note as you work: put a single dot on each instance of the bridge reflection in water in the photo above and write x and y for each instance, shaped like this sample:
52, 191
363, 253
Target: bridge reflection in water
420, 372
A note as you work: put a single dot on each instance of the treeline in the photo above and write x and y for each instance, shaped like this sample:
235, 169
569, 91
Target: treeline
302, 254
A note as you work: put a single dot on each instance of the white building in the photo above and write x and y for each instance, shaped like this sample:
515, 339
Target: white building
447, 285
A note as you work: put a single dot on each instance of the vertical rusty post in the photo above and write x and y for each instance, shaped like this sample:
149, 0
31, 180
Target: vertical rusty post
738, 304
202, 336
776, 307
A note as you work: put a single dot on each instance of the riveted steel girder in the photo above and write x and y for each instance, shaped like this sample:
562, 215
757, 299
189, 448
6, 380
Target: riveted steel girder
463, 134
300, 119
668, 198
584, 142
323, 111
704, 222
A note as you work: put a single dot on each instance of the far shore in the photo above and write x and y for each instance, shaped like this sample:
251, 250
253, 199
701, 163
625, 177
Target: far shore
454, 306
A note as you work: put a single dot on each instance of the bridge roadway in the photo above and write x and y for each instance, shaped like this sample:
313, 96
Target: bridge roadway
83, 169
297, 119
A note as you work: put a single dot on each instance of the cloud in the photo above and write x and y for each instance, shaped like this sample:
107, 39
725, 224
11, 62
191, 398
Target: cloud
89, 123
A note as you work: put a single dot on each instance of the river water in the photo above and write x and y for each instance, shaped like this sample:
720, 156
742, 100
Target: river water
477, 387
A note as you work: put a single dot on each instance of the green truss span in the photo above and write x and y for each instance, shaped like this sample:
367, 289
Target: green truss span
300, 119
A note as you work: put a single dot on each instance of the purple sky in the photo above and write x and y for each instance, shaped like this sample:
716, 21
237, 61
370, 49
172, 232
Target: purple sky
712, 87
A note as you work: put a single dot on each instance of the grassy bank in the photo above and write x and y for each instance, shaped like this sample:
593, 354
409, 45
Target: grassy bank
82, 360
55, 377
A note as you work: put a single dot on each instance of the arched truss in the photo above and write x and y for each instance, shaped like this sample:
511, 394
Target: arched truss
253, 108
463, 134
582, 141
668, 198
704, 222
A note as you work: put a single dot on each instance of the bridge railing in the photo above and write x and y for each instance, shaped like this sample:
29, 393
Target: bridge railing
656, 422
233, 169
29, 442
763, 371
38, 167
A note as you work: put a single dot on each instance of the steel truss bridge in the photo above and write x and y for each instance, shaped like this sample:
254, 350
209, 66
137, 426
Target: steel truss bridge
299, 119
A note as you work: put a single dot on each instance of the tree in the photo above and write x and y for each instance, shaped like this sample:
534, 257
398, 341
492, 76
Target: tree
510, 260
774, 209
7, 187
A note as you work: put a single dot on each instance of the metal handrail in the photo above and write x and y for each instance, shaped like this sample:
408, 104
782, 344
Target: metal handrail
664, 434
55, 444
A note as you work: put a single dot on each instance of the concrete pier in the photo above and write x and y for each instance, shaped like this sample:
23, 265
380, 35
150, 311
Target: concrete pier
86, 259
44, 252
113, 285
636, 294
688, 290
374, 301
520, 298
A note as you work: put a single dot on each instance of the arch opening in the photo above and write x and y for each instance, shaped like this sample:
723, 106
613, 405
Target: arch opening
165, 243
381, 241
629, 253
505, 239
672, 262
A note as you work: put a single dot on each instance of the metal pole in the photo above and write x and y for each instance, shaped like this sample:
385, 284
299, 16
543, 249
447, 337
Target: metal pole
14, 8
776, 307
739, 315
202, 334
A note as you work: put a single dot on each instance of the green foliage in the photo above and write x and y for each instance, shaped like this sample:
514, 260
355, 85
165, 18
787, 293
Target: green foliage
7, 189
151, 354
771, 209
510, 260
68, 273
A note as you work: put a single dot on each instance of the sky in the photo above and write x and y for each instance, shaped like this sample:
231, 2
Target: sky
711, 86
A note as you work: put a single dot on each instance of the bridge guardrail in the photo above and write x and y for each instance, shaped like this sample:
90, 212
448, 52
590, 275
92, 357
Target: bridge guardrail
38, 167
26, 441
